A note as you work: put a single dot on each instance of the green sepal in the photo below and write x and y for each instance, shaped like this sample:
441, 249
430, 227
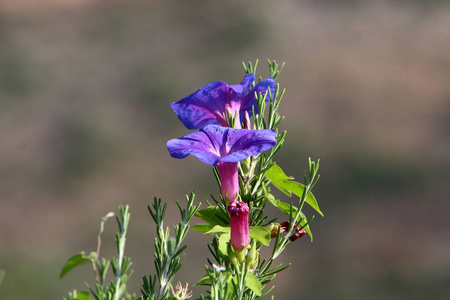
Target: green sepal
261, 234
286, 184
252, 282
252, 256
75, 261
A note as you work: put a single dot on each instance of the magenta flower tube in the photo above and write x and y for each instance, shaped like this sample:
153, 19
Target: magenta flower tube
239, 212
229, 180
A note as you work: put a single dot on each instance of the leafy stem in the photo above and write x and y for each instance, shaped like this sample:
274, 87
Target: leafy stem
167, 248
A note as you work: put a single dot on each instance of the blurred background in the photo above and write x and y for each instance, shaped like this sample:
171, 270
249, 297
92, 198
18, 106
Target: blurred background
85, 87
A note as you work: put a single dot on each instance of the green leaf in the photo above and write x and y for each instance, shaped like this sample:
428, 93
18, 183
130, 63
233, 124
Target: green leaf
261, 234
75, 261
213, 215
202, 227
219, 229
277, 178
83, 296
252, 282
303, 221
223, 242
204, 280
286, 184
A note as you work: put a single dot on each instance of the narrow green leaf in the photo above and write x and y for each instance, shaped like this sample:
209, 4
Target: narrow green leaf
286, 184
213, 215
252, 282
75, 261
261, 234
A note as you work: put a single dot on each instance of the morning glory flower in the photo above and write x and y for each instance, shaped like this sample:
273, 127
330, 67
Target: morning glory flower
223, 147
208, 104
239, 212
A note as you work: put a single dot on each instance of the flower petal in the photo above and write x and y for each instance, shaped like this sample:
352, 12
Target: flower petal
216, 143
197, 144
246, 83
203, 107
244, 143
249, 100
238, 144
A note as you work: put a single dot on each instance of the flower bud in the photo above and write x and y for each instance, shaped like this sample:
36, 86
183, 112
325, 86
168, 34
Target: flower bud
247, 124
239, 212
299, 232
283, 227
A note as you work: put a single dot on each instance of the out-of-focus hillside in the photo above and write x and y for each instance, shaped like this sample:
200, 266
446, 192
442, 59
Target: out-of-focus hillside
85, 88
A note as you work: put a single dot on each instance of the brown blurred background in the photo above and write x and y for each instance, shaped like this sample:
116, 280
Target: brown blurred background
85, 88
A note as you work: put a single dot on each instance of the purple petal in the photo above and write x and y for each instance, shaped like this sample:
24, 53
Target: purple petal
216, 143
243, 143
246, 83
197, 144
203, 107
249, 100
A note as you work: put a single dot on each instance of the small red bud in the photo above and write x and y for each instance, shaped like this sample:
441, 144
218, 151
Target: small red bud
299, 232
283, 227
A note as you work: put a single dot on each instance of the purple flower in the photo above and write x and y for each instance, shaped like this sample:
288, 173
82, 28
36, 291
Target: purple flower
208, 104
239, 212
224, 147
